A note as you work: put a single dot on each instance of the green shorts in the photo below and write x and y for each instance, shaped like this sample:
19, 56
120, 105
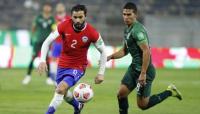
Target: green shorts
130, 80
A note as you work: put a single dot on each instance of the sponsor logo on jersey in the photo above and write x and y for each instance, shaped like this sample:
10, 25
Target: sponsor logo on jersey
141, 36
66, 34
84, 39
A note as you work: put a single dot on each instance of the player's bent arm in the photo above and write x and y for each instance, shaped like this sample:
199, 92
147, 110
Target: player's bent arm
99, 44
119, 54
45, 46
146, 57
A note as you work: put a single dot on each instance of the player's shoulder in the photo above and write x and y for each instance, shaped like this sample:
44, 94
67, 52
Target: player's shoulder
138, 26
91, 28
66, 22
62, 26
92, 32
67, 17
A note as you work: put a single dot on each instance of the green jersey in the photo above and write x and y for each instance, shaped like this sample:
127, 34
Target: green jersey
43, 28
133, 37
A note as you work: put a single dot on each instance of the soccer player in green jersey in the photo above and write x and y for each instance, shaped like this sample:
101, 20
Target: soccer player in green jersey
41, 28
141, 72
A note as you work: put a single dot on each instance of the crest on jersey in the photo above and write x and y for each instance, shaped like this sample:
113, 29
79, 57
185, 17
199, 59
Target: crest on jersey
84, 39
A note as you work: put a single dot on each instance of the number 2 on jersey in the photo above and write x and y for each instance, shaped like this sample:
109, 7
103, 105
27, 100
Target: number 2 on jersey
74, 42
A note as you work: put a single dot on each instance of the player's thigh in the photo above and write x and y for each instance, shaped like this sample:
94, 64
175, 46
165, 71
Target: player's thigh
143, 93
69, 76
145, 90
128, 83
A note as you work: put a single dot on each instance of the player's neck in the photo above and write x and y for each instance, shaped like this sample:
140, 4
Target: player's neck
46, 15
80, 28
135, 20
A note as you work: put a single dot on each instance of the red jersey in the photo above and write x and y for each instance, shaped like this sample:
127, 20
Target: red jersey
59, 20
75, 45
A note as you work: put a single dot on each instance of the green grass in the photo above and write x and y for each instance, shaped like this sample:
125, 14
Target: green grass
35, 97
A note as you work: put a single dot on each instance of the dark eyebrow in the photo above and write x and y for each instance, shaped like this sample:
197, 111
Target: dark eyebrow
77, 16
126, 13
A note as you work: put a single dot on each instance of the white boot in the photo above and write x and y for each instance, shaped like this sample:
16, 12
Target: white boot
49, 81
26, 80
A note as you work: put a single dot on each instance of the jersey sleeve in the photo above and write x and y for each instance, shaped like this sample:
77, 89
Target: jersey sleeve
140, 37
94, 35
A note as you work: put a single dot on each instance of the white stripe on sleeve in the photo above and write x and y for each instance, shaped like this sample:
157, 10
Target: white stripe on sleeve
99, 44
45, 46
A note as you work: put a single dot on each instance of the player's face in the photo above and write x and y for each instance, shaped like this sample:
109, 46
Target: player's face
47, 9
60, 11
78, 18
129, 16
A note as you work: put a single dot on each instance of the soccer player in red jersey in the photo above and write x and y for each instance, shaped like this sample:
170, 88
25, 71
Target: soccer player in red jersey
77, 35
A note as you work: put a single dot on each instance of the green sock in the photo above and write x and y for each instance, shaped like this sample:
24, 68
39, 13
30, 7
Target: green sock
123, 105
155, 99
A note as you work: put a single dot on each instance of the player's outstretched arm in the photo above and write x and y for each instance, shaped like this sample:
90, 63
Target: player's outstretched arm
102, 62
44, 50
119, 54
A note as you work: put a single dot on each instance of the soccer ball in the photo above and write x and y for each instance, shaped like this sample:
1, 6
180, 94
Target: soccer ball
83, 92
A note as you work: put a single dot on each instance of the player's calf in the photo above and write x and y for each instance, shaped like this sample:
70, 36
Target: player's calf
80, 107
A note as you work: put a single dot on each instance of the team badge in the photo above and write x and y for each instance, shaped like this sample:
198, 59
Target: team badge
141, 36
84, 39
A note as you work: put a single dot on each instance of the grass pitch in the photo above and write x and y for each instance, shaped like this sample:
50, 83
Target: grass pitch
34, 98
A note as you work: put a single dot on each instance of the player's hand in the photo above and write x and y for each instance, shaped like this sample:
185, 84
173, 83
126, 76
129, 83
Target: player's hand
42, 67
142, 79
99, 78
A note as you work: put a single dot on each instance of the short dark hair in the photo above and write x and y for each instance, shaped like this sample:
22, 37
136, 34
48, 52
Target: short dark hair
131, 5
47, 4
79, 7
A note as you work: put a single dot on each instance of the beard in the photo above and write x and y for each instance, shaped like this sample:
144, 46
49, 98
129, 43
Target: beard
79, 26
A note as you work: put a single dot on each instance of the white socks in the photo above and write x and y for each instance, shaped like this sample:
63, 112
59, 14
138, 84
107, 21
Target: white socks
69, 96
56, 101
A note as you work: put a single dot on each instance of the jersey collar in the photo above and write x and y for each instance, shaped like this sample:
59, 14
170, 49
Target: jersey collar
79, 30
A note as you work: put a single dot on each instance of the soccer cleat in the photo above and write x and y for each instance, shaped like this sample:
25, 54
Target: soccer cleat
175, 92
26, 80
81, 105
49, 81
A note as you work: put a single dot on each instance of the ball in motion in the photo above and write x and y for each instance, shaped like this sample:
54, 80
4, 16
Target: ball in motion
83, 92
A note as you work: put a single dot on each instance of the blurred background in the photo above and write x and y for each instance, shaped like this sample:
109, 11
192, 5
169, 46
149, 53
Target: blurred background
169, 22
173, 27
174, 31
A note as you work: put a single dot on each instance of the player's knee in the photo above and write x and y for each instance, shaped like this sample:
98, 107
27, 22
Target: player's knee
121, 94
60, 91
142, 106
